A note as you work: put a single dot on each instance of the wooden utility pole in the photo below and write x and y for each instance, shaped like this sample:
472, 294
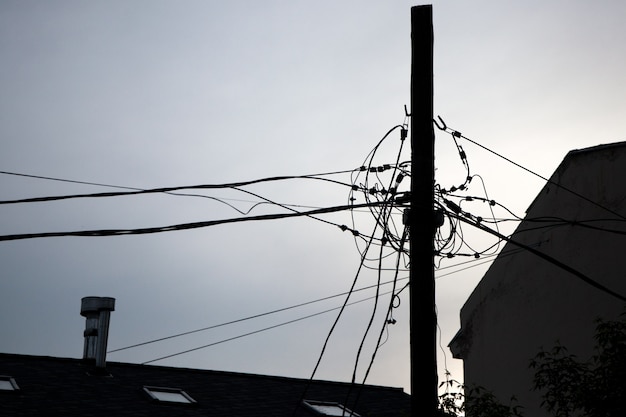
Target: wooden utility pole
423, 319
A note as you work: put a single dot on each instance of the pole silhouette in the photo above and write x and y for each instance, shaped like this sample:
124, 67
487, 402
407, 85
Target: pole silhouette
423, 319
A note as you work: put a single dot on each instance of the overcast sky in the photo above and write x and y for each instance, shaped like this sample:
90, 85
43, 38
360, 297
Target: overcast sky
149, 94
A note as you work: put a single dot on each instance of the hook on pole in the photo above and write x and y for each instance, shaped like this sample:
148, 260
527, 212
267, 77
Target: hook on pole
444, 127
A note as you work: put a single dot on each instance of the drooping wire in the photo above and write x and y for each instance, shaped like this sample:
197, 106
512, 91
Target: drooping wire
380, 223
450, 240
375, 190
383, 218
388, 318
371, 320
335, 323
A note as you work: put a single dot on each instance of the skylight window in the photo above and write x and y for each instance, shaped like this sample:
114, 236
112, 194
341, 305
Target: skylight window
169, 395
8, 384
325, 408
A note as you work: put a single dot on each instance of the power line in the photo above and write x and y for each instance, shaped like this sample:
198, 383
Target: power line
247, 318
542, 255
41, 177
336, 321
137, 191
221, 200
480, 261
256, 331
384, 203
188, 226
457, 134
383, 219
387, 317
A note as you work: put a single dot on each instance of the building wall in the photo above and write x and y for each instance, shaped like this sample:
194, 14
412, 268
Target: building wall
525, 303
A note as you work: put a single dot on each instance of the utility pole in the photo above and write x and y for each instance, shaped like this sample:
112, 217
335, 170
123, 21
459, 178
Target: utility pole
422, 227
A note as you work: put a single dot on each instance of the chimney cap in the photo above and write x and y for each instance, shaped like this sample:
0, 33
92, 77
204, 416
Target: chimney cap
96, 304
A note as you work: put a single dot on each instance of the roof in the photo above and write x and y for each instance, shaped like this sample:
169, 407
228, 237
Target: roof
595, 148
606, 148
69, 387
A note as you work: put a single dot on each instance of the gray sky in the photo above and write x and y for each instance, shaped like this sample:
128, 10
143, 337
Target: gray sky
151, 94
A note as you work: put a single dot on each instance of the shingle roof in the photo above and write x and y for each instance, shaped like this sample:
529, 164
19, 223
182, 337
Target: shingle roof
50, 386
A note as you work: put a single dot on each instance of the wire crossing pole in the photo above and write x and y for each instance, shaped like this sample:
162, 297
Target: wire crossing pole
423, 319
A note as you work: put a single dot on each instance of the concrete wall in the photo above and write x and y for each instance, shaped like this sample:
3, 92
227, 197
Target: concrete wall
525, 303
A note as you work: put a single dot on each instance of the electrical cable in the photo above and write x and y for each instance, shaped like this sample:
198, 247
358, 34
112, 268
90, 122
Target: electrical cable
133, 188
384, 327
544, 256
584, 223
185, 226
369, 324
345, 303
287, 207
245, 318
170, 189
67, 180
368, 168
383, 219
458, 134
368, 244
253, 332
221, 200
475, 262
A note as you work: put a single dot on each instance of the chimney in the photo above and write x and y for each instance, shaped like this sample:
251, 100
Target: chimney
97, 312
